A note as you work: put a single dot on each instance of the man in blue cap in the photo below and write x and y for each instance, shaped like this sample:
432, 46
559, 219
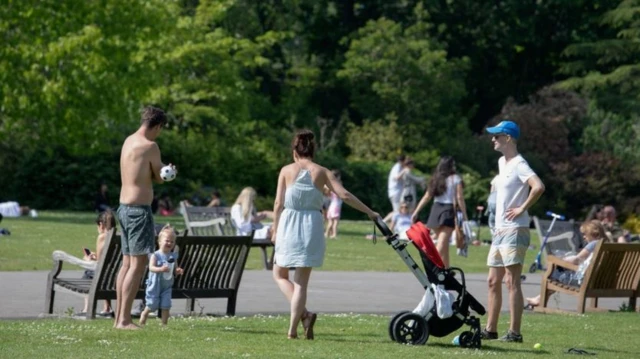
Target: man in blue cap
517, 189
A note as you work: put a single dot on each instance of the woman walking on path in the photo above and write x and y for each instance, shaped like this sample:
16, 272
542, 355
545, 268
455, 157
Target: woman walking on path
446, 189
298, 224
511, 236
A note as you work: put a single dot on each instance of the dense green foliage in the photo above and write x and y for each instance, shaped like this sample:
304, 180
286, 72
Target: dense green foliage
372, 78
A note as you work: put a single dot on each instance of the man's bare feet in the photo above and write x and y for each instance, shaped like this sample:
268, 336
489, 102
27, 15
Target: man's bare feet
130, 326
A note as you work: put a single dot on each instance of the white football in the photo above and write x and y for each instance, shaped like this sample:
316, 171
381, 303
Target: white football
167, 173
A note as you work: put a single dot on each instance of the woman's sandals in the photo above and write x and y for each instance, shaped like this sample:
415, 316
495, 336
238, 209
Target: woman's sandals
308, 321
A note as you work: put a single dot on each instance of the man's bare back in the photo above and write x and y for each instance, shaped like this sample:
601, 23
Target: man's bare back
139, 167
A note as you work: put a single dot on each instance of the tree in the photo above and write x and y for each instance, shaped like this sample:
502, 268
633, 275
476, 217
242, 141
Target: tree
608, 69
393, 72
73, 73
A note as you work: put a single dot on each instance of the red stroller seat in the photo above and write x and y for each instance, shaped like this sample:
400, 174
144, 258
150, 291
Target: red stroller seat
412, 328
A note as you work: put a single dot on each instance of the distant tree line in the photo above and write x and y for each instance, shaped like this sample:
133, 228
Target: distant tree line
372, 78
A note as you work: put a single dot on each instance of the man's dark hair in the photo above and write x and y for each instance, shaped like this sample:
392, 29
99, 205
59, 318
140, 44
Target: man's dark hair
152, 117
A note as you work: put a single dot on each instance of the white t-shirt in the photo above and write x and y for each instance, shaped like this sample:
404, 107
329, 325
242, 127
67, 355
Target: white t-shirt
512, 190
10, 209
449, 195
244, 226
394, 186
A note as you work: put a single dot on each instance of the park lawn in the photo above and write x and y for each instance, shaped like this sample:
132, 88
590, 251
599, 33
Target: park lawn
610, 335
32, 241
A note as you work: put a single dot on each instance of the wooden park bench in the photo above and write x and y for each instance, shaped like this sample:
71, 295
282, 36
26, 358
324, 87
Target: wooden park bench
213, 267
614, 272
216, 221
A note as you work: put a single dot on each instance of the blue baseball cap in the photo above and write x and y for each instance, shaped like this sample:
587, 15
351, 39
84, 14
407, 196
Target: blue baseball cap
507, 127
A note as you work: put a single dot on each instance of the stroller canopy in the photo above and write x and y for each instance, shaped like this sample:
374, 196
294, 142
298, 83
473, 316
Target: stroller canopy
419, 235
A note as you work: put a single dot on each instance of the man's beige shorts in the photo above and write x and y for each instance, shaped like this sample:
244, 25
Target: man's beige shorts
509, 247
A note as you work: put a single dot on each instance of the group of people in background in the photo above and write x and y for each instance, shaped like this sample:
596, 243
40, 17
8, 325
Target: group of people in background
307, 210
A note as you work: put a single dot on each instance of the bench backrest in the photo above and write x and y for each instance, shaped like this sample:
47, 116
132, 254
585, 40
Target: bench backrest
564, 237
212, 262
615, 267
207, 221
208, 261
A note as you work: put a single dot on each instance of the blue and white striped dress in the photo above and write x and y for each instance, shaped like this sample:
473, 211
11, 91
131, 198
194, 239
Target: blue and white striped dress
300, 235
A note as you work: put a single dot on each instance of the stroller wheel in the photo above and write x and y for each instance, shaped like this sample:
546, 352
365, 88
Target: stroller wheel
533, 268
466, 339
392, 323
411, 328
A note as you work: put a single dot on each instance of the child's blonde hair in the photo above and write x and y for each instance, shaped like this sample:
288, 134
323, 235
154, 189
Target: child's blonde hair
167, 230
594, 229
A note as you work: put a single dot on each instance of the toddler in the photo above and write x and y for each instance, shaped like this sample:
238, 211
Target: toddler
162, 268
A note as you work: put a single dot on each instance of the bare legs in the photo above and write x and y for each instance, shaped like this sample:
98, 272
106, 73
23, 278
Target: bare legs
443, 235
127, 287
496, 274
164, 315
332, 228
144, 315
516, 300
296, 293
511, 275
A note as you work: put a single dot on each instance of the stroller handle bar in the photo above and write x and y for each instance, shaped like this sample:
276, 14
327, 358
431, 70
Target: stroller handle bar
555, 215
382, 227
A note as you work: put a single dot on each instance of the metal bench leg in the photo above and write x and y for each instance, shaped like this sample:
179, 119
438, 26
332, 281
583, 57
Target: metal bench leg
268, 261
231, 305
191, 305
51, 294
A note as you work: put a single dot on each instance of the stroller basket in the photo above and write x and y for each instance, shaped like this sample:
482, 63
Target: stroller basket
412, 328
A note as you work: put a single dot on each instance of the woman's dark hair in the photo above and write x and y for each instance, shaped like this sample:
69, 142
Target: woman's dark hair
107, 218
303, 144
438, 182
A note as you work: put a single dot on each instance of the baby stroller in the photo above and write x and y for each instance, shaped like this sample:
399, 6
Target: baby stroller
411, 328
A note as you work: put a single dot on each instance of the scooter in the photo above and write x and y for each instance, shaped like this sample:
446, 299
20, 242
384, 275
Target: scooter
538, 263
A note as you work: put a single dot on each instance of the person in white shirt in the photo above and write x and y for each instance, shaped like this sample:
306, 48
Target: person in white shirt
409, 182
402, 221
245, 217
446, 188
394, 187
517, 189
13, 209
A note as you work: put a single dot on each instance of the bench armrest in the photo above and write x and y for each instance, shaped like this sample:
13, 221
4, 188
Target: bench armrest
557, 262
62, 256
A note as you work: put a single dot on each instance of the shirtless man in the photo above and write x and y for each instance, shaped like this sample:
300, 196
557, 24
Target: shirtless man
140, 165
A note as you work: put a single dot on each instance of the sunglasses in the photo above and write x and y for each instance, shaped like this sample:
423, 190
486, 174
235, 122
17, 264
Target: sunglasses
497, 136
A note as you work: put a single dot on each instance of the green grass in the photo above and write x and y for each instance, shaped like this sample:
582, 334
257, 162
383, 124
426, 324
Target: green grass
337, 336
32, 241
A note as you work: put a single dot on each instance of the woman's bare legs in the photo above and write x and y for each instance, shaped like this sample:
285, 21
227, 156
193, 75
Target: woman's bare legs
295, 291
443, 235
